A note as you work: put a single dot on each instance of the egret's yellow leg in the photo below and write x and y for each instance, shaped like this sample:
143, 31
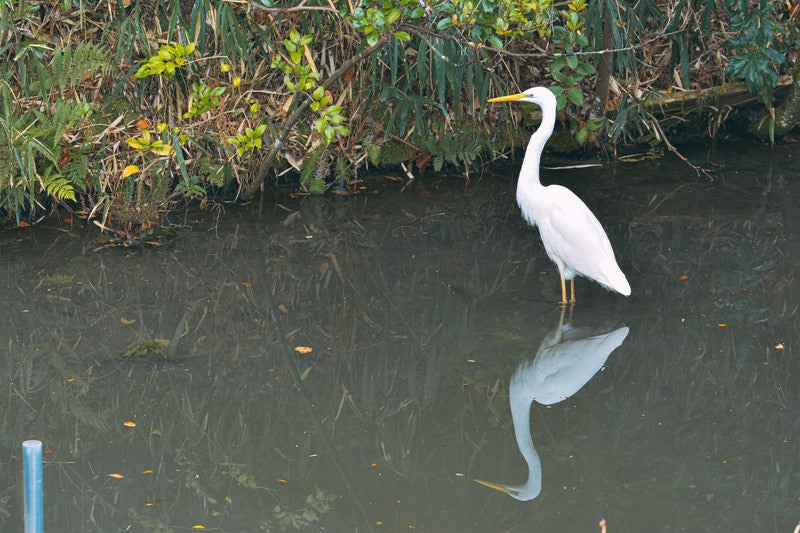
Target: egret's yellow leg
572, 291
563, 290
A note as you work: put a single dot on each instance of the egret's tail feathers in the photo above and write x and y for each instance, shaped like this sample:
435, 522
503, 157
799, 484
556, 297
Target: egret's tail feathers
618, 283
624, 288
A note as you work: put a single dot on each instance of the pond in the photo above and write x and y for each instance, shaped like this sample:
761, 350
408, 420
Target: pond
351, 363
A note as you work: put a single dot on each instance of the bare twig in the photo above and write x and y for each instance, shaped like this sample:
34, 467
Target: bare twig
660, 131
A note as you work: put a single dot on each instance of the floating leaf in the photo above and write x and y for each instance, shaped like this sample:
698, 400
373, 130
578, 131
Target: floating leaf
127, 321
158, 347
129, 424
303, 350
116, 476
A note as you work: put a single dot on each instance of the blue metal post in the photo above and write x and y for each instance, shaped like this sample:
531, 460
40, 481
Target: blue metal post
32, 474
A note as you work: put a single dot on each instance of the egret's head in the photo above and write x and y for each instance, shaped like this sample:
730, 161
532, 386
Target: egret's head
541, 96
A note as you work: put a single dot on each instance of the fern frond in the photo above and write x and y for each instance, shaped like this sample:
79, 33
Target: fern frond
66, 116
58, 187
462, 148
77, 170
70, 66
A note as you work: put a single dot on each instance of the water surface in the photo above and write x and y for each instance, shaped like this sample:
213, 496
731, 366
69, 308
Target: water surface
344, 364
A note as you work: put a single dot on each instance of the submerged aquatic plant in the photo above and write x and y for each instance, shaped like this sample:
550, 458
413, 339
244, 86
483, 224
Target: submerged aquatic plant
317, 505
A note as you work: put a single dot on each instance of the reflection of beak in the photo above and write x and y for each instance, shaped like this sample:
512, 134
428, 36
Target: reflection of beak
508, 98
495, 486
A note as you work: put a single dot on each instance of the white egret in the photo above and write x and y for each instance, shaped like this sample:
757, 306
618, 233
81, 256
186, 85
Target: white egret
567, 359
572, 236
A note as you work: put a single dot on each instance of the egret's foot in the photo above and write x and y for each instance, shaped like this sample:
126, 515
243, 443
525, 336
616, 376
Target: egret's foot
563, 302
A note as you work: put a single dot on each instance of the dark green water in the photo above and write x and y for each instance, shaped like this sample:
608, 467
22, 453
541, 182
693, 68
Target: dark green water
418, 307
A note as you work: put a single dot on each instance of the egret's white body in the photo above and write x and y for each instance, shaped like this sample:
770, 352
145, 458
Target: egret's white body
572, 236
566, 360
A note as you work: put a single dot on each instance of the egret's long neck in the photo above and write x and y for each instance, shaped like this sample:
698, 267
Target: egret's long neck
520, 402
521, 417
529, 173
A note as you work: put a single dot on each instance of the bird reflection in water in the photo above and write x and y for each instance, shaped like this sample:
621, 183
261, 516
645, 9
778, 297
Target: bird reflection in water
567, 359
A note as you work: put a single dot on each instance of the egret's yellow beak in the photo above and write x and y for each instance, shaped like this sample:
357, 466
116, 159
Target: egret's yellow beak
507, 98
495, 486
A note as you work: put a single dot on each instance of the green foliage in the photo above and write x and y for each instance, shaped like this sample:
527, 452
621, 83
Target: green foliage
163, 180
168, 59
430, 71
632, 122
486, 21
460, 149
252, 105
311, 172
249, 140
146, 142
44, 149
31, 142
434, 78
757, 61
494, 21
519, 18
154, 524
57, 185
190, 185
204, 98
242, 478
591, 126
329, 122
77, 169
299, 75
569, 70
316, 505
375, 20
428, 83
70, 66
